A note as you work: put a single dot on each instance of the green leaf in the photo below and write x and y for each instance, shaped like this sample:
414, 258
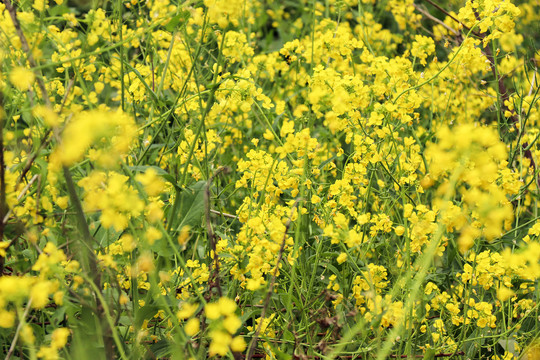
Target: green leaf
430, 354
59, 315
280, 355
192, 205
509, 344
146, 312
143, 168
59, 10
177, 20
161, 349
287, 335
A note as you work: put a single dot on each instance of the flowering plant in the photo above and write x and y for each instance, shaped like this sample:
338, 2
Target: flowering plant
254, 179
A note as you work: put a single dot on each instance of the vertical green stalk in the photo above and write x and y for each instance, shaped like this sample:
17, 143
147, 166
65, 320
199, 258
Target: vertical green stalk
108, 318
88, 261
120, 10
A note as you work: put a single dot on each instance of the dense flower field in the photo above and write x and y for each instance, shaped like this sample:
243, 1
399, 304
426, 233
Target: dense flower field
351, 179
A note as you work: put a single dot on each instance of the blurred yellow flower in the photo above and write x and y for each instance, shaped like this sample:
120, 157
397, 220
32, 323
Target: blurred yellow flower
21, 78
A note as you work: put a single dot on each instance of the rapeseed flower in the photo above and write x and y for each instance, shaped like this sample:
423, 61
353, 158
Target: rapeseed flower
21, 78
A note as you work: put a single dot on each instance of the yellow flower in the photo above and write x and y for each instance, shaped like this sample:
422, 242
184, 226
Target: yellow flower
504, 293
186, 310
399, 230
124, 299
153, 211
220, 343
429, 288
153, 234
128, 243
145, 262
40, 5
7, 318
236, 46
254, 284
21, 78
58, 298
48, 353
212, 311
59, 338
153, 184
192, 326
3, 247
224, 12
27, 335
533, 350
238, 344
40, 294
342, 258
232, 323
110, 193
50, 118
422, 47
184, 235
114, 132
62, 202
48, 259
482, 322
227, 306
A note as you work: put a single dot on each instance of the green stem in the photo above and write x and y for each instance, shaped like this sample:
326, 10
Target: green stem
108, 317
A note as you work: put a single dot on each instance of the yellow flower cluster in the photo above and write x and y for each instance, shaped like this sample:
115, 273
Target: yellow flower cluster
472, 158
110, 193
224, 323
108, 135
383, 179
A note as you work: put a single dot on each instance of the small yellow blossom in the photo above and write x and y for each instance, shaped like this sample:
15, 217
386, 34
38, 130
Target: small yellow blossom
220, 343
504, 293
227, 306
48, 353
59, 337
3, 247
153, 184
232, 324
399, 230
238, 344
192, 326
187, 310
7, 318
27, 334
40, 294
342, 258
145, 262
21, 78
184, 235
212, 311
